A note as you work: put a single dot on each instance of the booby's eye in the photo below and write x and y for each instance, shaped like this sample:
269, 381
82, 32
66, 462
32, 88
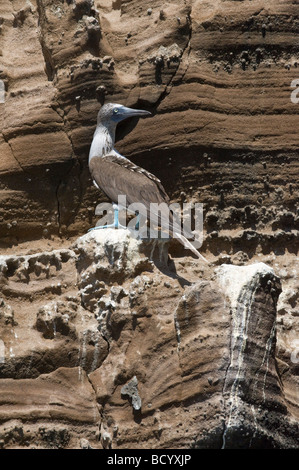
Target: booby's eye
115, 111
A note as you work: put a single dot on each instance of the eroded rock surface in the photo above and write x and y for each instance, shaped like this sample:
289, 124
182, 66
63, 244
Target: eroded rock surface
215, 361
143, 358
217, 77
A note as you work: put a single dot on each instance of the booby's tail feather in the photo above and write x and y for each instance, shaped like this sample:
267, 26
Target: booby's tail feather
169, 221
189, 245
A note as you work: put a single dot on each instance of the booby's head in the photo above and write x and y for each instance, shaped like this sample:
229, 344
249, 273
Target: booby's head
108, 117
112, 113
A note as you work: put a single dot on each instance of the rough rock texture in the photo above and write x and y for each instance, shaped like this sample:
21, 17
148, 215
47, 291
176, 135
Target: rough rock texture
107, 345
213, 364
216, 76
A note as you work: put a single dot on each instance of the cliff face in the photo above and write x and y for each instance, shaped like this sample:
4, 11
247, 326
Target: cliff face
134, 351
216, 75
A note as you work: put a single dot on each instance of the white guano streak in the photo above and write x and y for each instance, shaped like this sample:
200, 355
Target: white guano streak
239, 284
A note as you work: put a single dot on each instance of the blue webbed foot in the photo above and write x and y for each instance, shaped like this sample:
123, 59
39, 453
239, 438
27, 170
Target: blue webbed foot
115, 224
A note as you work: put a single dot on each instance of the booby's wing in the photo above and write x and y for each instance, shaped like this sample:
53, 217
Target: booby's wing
116, 175
119, 176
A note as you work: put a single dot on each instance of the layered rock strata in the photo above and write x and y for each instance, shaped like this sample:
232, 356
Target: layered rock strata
99, 336
217, 77
129, 352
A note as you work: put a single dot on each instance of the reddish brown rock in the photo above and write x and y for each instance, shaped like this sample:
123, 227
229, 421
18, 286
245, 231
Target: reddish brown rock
40, 412
217, 78
223, 121
160, 358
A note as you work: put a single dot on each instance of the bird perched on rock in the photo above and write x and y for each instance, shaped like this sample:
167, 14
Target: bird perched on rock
116, 175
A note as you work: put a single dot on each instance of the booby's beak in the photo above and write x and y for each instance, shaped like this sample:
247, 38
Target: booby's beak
125, 112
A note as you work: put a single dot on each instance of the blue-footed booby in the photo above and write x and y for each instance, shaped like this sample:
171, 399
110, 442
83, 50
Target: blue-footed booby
116, 175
